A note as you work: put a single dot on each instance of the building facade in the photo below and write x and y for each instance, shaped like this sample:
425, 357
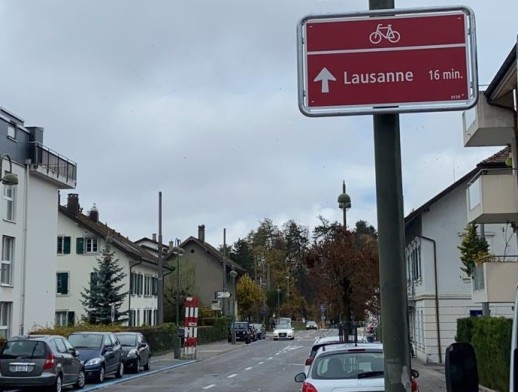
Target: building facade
29, 225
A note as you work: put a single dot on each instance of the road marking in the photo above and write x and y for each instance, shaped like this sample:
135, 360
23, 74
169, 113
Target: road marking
209, 386
260, 363
232, 375
248, 368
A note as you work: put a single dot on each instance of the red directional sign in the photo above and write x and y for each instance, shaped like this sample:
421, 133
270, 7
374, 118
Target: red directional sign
379, 62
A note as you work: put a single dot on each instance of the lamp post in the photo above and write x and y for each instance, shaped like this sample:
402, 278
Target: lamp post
178, 252
288, 290
160, 286
344, 203
9, 178
278, 299
233, 275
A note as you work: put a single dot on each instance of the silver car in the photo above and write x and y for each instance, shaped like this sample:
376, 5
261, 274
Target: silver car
40, 362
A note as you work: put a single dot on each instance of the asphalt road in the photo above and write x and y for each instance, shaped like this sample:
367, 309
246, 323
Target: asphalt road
261, 366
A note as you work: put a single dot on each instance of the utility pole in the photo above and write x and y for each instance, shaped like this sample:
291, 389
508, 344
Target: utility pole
223, 302
391, 244
160, 297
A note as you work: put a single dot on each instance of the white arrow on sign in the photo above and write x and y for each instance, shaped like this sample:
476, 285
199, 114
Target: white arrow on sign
222, 295
325, 76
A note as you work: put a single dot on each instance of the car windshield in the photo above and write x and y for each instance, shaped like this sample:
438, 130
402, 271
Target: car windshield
348, 365
127, 339
23, 349
86, 340
241, 325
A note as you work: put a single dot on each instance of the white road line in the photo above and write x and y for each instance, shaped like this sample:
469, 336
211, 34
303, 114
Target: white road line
209, 386
260, 363
232, 375
270, 357
248, 368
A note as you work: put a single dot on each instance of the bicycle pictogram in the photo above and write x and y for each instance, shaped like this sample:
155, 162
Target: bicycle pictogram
384, 32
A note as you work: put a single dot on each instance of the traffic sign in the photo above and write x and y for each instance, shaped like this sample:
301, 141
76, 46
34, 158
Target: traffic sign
223, 294
389, 61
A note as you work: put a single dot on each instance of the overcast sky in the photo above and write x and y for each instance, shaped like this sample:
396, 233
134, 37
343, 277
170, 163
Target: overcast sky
198, 99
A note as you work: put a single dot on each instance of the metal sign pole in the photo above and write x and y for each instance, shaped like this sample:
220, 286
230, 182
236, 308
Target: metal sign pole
391, 244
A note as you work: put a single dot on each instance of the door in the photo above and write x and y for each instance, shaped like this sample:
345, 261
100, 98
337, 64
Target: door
63, 359
109, 355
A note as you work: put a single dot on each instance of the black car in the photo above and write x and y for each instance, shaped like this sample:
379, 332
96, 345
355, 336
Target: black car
135, 350
242, 330
35, 362
101, 353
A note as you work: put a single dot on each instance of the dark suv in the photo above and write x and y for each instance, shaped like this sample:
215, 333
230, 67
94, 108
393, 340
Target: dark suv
243, 331
36, 362
101, 353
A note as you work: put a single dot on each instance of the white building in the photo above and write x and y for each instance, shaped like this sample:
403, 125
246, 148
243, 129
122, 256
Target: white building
80, 240
439, 292
29, 225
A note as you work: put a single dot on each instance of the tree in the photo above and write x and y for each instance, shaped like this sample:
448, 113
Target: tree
105, 290
473, 249
249, 297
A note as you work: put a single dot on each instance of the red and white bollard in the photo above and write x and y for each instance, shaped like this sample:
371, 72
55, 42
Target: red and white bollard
190, 327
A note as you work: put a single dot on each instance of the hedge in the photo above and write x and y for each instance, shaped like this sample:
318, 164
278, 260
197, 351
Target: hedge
491, 339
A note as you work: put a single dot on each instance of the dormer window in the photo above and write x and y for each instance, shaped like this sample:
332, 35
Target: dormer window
11, 131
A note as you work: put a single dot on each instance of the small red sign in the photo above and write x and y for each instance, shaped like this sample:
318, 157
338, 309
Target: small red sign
407, 62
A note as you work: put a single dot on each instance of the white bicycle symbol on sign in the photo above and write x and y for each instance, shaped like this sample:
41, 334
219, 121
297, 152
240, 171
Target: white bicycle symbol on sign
384, 32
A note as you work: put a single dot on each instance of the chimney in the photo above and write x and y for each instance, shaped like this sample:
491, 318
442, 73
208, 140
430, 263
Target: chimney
73, 203
94, 214
201, 233
154, 237
171, 246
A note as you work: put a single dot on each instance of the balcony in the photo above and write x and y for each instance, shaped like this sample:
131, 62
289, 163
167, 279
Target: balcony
492, 197
495, 281
53, 167
487, 125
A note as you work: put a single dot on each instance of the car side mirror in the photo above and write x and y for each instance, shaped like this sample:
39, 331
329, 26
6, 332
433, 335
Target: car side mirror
461, 368
300, 377
141, 345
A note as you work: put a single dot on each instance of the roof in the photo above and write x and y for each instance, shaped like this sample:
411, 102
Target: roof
103, 231
211, 250
350, 347
500, 89
495, 161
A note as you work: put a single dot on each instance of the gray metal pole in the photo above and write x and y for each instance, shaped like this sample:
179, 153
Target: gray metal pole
177, 291
345, 210
389, 197
160, 299
223, 301
391, 245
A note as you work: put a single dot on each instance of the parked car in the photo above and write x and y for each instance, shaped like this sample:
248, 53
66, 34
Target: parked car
260, 331
135, 351
348, 367
311, 325
101, 353
40, 362
242, 331
283, 331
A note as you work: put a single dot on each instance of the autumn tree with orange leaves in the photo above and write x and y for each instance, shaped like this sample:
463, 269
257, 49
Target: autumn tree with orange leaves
343, 270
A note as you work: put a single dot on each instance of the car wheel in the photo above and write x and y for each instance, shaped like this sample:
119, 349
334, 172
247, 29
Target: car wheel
120, 371
57, 385
81, 380
101, 375
137, 365
147, 366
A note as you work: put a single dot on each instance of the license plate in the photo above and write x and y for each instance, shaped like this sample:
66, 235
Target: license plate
20, 368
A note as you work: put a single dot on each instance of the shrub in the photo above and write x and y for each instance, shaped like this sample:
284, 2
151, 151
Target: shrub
464, 330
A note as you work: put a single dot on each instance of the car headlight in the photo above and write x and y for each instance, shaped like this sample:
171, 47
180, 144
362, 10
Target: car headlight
94, 361
132, 353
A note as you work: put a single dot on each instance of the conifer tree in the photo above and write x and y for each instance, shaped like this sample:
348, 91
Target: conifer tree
474, 249
105, 290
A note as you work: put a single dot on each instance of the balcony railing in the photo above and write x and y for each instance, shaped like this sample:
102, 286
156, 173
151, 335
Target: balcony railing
494, 274
54, 165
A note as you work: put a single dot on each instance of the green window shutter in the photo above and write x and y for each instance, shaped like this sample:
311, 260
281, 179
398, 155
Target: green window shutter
66, 246
71, 318
64, 287
80, 246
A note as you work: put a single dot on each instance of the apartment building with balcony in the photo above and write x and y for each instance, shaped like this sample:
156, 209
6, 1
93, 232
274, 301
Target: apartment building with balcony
29, 225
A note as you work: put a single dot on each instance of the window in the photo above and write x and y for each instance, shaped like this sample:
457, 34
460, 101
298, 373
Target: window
63, 245
11, 131
5, 319
91, 245
137, 284
154, 286
60, 346
6, 275
147, 285
9, 202
148, 316
62, 283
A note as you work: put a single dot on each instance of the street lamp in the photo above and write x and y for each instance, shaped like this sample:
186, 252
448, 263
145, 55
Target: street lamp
233, 275
278, 299
344, 202
178, 252
9, 178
